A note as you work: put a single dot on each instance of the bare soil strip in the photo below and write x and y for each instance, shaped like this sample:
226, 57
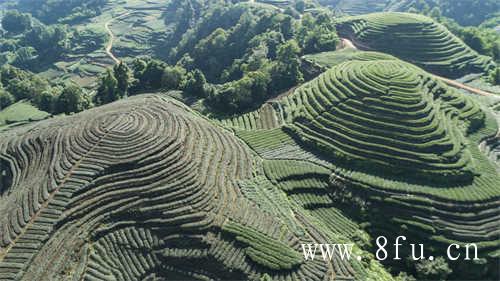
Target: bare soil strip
112, 37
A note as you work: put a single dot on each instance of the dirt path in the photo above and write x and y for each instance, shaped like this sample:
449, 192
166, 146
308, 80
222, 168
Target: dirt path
112, 37
459, 85
346, 43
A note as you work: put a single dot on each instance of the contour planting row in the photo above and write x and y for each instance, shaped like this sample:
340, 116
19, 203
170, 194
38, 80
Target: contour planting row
135, 189
332, 58
465, 209
277, 144
358, 7
308, 184
414, 38
262, 119
386, 116
361, 112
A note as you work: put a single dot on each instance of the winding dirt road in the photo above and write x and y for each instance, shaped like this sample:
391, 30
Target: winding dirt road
112, 37
349, 44
456, 84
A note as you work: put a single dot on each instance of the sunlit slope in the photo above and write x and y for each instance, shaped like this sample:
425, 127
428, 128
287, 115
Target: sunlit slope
414, 38
143, 189
399, 145
387, 117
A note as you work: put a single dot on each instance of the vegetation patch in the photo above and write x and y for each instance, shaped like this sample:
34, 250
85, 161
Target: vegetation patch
21, 112
414, 38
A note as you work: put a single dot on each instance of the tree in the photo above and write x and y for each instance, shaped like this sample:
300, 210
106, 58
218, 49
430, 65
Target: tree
8, 45
22, 84
286, 72
212, 54
317, 34
473, 39
241, 94
52, 11
300, 6
27, 87
195, 84
72, 100
151, 78
16, 22
186, 62
495, 76
123, 77
403, 276
436, 269
108, 89
6, 99
292, 12
25, 57
173, 77
49, 41
286, 26
45, 101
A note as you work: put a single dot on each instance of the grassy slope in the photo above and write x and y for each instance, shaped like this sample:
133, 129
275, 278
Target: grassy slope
330, 59
20, 112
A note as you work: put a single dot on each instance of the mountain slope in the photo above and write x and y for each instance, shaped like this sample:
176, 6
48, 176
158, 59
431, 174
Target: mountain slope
360, 119
135, 189
416, 39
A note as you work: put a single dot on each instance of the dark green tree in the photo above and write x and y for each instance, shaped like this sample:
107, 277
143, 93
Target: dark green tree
300, 6
436, 269
286, 72
25, 57
474, 39
45, 101
108, 89
27, 87
495, 76
49, 41
123, 77
151, 77
72, 99
195, 83
8, 45
6, 99
186, 62
173, 77
16, 22
52, 11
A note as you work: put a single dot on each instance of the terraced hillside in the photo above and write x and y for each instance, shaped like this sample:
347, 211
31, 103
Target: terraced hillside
359, 7
329, 59
416, 39
145, 189
383, 116
137, 27
401, 148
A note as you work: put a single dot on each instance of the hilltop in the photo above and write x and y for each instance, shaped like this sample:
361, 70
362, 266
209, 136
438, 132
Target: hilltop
393, 138
417, 39
158, 198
